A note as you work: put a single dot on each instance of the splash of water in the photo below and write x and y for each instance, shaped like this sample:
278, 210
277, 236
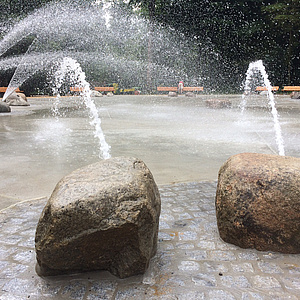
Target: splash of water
259, 66
72, 68
118, 54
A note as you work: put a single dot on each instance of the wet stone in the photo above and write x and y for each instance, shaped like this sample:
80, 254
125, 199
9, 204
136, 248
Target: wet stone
266, 282
292, 283
204, 280
268, 267
248, 256
222, 255
293, 269
243, 267
220, 295
197, 255
75, 290
187, 266
206, 245
235, 281
252, 296
216, 267
185, 246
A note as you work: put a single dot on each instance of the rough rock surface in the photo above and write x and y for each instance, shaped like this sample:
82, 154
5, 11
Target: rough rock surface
96, 94
4, 108
295, 95
173, 94
190, 94
17, 99
258, 202
218, 103
101, 217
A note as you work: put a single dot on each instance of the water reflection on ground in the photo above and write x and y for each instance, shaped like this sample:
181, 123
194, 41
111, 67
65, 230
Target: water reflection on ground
180, 139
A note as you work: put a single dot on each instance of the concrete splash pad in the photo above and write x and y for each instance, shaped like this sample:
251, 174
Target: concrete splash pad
181, 141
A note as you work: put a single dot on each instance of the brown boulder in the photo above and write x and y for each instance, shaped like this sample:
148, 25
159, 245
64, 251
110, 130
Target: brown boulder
101, 217
258, 202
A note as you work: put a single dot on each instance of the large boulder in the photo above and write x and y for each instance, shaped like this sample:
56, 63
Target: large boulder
101, 217
258, 202
17, 99
4, 108
96, 94
190, 94
173, 94
295, 95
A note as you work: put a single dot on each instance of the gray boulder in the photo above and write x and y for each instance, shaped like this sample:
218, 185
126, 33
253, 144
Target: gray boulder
4, 108
173, 94
101, 217
258, 202
295, 95
110, 94
17, 99
190, 94
96, 94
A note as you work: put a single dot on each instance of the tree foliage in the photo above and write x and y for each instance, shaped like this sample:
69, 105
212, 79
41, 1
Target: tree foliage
240, 31
223, 37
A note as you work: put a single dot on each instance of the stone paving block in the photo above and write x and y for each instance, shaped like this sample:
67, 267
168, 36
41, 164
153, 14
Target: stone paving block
207, 280
191, 262
75, 290
242, 267
220, 295
235, 281
268, 267
266, 282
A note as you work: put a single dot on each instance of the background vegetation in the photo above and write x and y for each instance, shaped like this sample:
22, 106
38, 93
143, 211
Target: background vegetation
226, 35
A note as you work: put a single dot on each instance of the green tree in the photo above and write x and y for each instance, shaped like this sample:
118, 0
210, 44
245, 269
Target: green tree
285, 16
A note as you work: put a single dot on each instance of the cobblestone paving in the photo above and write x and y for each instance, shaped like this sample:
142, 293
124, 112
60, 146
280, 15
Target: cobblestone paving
191, 263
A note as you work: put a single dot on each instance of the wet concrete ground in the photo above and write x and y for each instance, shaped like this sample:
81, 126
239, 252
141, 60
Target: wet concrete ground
184, 144
180, 139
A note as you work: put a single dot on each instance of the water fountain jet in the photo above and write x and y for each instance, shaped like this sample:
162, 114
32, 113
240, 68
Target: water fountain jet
72, 67
258, 66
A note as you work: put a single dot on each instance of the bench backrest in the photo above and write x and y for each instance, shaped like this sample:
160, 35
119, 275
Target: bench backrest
104, 88
76, 89
193, 89
167, 88
174, 88
4, 88
264, 88
291, 88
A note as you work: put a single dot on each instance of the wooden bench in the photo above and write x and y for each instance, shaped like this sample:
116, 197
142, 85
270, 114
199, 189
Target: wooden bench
167, 89
193, 88
4, 88
291, 89
76, 89
104, 88
99, 89
175, 89
264, 88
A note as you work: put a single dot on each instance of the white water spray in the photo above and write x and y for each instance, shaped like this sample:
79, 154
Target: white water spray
258, 66
72, 68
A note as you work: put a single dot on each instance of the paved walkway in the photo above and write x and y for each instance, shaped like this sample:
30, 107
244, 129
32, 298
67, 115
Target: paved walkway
191, 263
